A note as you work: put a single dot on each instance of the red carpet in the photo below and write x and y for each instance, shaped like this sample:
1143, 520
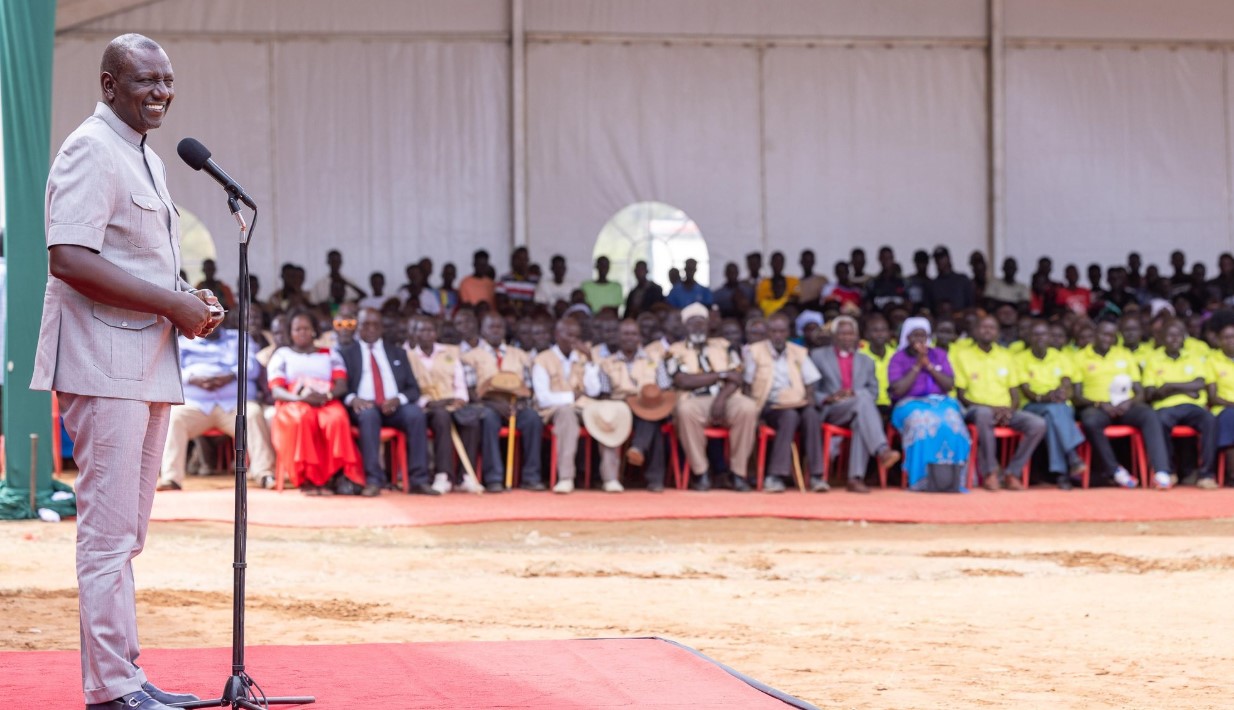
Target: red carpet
290, 509
605, 673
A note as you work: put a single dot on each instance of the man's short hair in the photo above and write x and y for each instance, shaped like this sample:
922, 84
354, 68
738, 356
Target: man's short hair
116, 55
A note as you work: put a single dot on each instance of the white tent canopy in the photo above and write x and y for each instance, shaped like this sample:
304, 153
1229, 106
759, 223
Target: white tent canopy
395, 129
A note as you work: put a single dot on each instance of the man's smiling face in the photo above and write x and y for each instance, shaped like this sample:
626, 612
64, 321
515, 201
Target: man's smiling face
143, 90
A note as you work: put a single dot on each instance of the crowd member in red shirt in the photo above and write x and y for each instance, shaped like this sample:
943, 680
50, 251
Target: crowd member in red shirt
1072, 295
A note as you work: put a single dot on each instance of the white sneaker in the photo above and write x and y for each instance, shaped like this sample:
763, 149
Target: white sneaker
470, 484
441, 483
1163, 480
564, 486
1124, 479
613, 487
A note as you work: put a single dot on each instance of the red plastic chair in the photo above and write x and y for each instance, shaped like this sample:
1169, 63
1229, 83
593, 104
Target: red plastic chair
226, 454
398, 453
1186, 432
831, 430
1005, 437
552, 466
1139, 459
765, 434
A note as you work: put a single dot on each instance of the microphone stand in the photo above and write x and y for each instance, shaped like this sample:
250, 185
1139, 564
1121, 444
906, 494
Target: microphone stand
238, 692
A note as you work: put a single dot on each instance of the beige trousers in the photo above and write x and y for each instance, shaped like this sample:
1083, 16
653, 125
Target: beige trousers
190, 422
691, 416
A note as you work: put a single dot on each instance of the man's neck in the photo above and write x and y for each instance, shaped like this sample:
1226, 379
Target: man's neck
878, 350
985, 347
473, 341
807, 273
629, 354
428, 350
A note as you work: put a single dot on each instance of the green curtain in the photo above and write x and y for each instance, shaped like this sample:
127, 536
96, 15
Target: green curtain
27, 38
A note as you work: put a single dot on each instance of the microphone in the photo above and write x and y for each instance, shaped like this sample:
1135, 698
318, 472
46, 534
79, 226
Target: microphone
197, 156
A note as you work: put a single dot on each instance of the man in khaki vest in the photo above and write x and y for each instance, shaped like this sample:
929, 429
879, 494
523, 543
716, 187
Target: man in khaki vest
781, 377
624, 374
490, 355
708, 372
557, 378
443, 393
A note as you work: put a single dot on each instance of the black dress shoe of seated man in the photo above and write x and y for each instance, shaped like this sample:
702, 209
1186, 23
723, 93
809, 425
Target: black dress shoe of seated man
168, 698
139, 700
423, 489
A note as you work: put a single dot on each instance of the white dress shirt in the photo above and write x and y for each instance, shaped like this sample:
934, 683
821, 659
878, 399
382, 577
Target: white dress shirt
366, 390
542, 385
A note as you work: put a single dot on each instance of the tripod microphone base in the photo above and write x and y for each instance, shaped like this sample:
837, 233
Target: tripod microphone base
236, 695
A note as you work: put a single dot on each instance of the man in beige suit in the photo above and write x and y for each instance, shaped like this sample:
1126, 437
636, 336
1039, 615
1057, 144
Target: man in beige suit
558, 379
113, 306
781, 378
708, 372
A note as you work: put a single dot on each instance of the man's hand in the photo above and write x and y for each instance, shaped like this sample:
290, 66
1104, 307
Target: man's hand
216, 310
389, 406
1002, 416
189, 314
316, 399
359, 405
503, 407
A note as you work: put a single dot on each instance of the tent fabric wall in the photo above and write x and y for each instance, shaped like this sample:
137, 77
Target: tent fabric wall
778, 125
873, 146
1110, 150
673, 124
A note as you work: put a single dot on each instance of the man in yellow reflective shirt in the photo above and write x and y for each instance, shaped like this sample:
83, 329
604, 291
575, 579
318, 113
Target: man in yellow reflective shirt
1045, 377
1175, 382
988, 386
1221, 387
875, 345
1108, 391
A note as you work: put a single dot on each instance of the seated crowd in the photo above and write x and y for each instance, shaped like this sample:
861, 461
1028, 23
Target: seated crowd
768, 382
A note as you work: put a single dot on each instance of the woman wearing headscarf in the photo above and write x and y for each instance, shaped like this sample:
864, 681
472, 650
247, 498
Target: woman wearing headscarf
931, 423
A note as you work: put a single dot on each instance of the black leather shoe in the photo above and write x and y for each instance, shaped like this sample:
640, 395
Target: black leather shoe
536, 486
773, 484
655, 487
140, 700
701, 482
371, 491
168, 698
818, 485
423, 489
738, 483
494, 487
1064, 482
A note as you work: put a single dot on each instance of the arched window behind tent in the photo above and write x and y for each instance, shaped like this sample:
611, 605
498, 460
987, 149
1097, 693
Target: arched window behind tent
196, 245
659, 234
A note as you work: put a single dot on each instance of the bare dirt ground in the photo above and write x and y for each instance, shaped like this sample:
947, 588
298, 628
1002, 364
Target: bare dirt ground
843, 615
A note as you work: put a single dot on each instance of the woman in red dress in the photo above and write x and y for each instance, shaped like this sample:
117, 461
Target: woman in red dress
311, 432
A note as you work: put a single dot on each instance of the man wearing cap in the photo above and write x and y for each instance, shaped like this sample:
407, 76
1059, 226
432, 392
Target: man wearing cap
492, 356
708, 372
560, 379
781, 376
848, 391
632, 375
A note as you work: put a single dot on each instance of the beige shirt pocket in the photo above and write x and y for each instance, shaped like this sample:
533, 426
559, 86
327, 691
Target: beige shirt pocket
147, 228
119, 341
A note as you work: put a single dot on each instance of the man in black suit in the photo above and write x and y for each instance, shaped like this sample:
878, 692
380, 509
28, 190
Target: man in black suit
389, 399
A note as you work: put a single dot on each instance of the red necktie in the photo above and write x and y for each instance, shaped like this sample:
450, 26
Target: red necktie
498, 359
379, 388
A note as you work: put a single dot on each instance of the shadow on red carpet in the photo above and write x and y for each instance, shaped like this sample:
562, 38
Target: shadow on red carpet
531, 675
290, 509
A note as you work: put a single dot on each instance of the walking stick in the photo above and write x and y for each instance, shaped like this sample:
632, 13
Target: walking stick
801, 481
511, 435
462, 452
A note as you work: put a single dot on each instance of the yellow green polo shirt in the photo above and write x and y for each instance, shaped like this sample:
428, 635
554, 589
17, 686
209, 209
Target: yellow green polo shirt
1043, 375
1221, 374
880, 370
1097, 373
1162, 369
986, 377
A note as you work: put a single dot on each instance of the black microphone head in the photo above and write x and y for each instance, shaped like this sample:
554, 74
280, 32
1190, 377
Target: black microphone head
193, 152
